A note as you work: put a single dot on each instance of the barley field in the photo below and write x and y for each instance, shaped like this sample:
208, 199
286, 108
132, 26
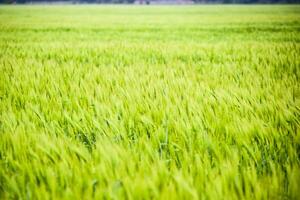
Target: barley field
150, 102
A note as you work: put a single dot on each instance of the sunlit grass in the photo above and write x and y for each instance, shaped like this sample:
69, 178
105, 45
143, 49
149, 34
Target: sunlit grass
120, 102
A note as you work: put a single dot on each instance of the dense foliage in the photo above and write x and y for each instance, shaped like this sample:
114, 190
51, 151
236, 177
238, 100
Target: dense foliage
149, 102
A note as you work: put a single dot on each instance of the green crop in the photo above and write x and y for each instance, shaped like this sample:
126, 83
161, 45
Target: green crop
150, 102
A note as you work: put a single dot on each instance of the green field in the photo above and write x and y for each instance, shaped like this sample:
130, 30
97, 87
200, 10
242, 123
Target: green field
150, 102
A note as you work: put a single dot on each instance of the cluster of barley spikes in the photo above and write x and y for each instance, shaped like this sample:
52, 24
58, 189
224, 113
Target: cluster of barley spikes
153, 102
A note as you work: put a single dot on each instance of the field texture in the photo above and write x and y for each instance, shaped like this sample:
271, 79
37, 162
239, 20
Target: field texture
154, 102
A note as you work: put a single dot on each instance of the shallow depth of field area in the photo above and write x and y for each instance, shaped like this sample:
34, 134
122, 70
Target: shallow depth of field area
150, 102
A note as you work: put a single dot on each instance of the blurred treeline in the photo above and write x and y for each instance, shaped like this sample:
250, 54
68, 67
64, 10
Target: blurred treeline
148, 1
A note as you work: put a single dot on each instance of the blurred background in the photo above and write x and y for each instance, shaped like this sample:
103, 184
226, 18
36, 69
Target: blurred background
148, 2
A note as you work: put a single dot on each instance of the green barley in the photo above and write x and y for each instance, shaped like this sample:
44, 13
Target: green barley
149, 102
